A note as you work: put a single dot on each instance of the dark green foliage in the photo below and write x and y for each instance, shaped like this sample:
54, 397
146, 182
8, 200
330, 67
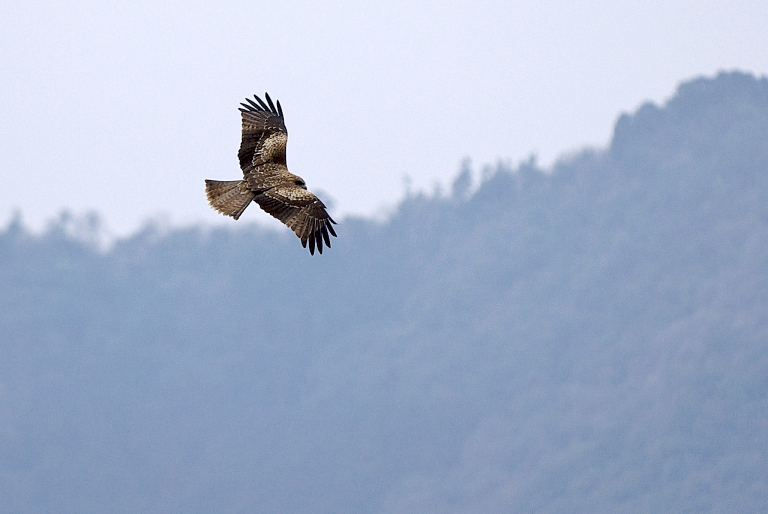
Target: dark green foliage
593, 339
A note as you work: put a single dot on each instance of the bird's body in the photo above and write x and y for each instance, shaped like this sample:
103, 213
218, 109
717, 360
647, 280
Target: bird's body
267, 181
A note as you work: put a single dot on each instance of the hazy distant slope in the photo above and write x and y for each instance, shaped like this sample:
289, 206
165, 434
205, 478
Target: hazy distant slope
640, 308
590, 340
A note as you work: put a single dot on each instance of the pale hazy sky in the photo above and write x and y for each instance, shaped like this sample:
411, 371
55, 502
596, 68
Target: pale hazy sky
125, 107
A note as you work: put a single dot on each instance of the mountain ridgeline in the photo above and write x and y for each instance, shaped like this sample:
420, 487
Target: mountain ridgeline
593, 338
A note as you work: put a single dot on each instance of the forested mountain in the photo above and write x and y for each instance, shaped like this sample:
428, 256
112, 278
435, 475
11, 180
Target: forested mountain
593, 338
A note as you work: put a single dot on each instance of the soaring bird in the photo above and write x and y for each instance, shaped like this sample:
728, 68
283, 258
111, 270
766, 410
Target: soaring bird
267, 181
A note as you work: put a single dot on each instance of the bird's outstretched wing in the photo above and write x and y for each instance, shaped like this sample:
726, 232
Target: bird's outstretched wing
302, 212
264, 134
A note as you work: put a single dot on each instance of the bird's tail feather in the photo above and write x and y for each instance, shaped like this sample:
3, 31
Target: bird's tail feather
227, 197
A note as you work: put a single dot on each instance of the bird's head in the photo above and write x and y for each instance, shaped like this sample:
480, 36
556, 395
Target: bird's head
300, 183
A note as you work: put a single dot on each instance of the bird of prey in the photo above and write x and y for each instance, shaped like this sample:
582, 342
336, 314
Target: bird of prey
267, 181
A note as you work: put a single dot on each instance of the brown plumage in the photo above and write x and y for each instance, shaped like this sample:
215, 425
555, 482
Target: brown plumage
267, 181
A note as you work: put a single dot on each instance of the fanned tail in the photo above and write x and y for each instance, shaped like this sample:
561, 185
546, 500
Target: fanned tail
227, 197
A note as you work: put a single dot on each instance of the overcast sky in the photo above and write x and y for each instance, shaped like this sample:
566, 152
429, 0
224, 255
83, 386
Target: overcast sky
125, 107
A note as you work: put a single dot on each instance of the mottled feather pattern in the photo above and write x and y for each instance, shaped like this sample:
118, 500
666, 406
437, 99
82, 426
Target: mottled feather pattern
263, 124
302, 212
228, 197
267, 181
268, 176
